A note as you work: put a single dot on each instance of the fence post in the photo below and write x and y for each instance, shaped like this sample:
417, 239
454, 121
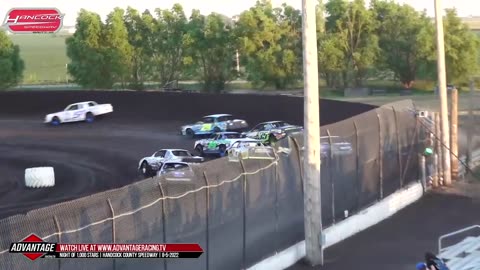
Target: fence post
439, 147
207, 219
299, 153
380, 155
412, 148
357, 166
113, 228
399, 149
244, 249
435, 177
277, 158
59, 230
330, 168
164, 217
454, 135
423, 172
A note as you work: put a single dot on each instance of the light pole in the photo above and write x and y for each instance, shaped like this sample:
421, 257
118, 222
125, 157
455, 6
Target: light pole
311, 160
442, 87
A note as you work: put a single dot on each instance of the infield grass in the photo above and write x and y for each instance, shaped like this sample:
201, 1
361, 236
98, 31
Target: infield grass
45, 58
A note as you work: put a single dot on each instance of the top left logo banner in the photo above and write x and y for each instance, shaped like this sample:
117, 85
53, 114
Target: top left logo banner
33, 20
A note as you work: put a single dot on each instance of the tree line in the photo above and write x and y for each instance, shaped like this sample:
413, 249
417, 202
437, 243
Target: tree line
355, 42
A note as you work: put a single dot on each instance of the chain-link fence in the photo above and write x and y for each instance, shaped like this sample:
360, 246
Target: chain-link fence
239, 212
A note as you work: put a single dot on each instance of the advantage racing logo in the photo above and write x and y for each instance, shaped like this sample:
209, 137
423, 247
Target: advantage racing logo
33, 20
33, 247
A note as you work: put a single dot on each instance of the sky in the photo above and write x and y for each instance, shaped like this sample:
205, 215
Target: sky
227, 7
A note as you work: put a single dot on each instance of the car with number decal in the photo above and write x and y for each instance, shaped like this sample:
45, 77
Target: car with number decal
214, 123
218, 143
250, 149
82, 111
272, 131
148, 166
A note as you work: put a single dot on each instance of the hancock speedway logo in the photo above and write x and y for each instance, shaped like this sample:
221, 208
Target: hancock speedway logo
33, 20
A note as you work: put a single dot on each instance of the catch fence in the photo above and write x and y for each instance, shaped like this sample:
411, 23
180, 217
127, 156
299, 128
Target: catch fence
239, 212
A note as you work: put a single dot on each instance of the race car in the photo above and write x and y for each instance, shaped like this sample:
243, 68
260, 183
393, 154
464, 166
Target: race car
148, 166
218, 143
81, 111
176, 171
250, 149
214, 123
339, 146
272, 131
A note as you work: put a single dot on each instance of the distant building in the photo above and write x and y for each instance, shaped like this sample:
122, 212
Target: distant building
69, 29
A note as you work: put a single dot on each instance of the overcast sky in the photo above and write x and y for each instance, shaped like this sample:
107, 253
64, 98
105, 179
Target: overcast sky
228, 7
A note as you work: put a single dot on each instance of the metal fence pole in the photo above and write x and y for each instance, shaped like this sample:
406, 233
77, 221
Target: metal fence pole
435, 177
244, 193
412, 148
357, 166
59, 230
164, 218
399, 148
207, 248
330, 168
423, 172
300, 165
439, 147
277, 208
380, 155
113, 229
454, 135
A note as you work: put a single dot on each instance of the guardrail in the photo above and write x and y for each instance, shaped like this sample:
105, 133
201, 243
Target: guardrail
454, 233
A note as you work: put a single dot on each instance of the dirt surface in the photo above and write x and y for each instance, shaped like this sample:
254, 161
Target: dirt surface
400, 242
90, 158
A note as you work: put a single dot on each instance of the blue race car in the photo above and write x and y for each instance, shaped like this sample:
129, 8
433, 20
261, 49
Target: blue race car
213, 124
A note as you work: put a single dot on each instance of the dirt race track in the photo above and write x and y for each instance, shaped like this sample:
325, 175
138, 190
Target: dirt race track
90, 158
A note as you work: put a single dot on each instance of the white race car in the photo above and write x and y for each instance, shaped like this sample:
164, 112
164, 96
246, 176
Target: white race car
149, 166
176, 171
81, 111
250, 149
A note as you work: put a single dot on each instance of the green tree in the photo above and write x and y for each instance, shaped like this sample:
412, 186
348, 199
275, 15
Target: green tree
118, 51
355, 28
331, 59
461, 49
11, 65
406, 39
169, 43
212, 49
89, 66
270, 44
138, 34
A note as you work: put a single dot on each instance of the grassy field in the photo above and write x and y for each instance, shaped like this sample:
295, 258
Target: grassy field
45, 58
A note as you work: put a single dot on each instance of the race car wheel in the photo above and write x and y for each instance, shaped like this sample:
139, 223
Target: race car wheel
271, 139
39, 177
222, 150
199, 150
146, 170
55, 121
216, 129
190, 132
89, 117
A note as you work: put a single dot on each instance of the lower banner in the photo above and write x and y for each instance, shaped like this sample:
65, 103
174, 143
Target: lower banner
33, 247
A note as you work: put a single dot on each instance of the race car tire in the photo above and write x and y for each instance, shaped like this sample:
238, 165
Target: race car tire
216, 129
222, 150
39, 177
199, 150
190, 132
55, 121
146, 170
89, 117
